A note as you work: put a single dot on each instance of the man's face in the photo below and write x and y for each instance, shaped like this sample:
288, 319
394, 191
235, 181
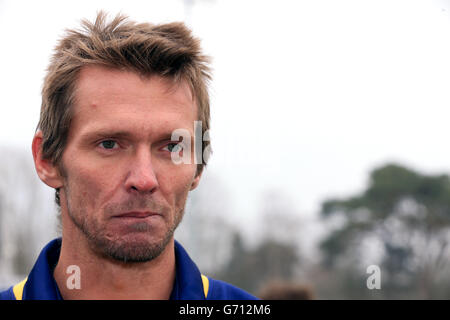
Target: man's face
121, 188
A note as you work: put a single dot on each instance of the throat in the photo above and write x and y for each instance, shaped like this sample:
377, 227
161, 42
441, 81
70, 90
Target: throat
84, 275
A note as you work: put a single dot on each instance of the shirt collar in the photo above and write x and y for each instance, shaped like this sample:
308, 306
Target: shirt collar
41, 284
188, 283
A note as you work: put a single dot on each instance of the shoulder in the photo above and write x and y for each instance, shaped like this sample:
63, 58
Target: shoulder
7, 294
14, 292
220, 290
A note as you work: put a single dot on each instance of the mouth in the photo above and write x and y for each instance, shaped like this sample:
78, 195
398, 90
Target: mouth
136, 214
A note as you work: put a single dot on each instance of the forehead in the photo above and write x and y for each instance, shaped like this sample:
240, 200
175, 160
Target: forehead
112, 97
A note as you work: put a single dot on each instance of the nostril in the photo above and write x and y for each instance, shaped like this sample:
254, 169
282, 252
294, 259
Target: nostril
143, 189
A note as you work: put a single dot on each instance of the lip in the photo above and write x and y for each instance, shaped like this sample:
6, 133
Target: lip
136, 214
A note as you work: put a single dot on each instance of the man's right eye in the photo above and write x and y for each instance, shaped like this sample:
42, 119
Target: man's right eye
108, 144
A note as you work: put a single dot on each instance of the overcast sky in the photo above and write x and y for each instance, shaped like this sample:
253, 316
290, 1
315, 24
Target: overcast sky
307, 96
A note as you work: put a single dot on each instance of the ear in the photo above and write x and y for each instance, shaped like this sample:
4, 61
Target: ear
47, 172
196, 180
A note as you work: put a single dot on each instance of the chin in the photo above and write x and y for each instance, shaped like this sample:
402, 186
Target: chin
135, 247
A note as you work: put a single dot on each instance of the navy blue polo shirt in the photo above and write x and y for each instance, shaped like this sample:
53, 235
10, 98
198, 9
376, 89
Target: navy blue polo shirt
189, 283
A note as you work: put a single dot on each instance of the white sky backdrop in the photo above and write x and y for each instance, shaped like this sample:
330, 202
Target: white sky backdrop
311, 94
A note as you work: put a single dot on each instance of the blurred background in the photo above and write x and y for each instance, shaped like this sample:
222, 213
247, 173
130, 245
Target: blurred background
329, 130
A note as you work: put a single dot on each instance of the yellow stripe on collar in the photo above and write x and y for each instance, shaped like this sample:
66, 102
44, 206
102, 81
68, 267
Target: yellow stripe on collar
18, 289
205, 281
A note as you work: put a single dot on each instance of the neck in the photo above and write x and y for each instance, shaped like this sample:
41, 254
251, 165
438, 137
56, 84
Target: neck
105, 278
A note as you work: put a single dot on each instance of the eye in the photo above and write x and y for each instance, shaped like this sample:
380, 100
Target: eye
173, 147
108, 144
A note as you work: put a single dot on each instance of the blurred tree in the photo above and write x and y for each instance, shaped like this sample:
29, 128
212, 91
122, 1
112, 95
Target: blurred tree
251, 269
206, 230
22, 212
274, 254
406, 215
278, 218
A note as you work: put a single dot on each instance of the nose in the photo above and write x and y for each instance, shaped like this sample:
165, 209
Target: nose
141, 177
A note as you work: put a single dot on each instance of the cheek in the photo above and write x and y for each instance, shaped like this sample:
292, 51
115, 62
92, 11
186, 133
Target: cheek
177, 184
86, 188
82, 191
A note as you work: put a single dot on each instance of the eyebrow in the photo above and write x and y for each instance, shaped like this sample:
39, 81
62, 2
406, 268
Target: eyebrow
119, 134
99, 134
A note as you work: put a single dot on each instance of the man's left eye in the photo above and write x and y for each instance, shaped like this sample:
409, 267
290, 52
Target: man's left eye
108, 144
173, 147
